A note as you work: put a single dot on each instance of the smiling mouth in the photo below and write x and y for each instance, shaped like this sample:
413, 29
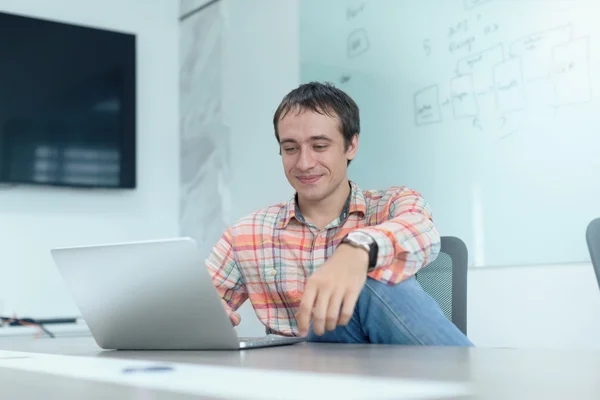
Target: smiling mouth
307, 180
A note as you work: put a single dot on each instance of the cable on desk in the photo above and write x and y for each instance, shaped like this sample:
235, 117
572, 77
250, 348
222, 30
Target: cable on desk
14, 321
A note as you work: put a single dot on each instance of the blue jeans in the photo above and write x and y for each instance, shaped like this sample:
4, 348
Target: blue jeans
398, 314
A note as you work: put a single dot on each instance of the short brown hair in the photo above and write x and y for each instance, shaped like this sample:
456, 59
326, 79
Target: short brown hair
323, 98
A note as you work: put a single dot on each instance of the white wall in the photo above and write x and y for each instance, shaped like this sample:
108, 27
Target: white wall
261, 66
523, 306
34, 219
534, 306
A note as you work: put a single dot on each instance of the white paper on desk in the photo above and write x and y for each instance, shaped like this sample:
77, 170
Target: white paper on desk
231, 382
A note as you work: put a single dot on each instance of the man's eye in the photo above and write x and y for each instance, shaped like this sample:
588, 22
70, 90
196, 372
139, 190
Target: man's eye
320, 147
289, 149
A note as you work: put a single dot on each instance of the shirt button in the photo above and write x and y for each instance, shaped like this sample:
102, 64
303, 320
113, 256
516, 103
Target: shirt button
274, 272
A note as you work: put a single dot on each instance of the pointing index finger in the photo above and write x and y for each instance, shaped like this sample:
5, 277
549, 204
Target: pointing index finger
305, 309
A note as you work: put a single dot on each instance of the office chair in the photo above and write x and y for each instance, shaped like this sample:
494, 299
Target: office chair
445, 279
592, 236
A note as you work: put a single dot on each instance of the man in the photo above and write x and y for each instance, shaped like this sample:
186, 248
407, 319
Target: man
334, 263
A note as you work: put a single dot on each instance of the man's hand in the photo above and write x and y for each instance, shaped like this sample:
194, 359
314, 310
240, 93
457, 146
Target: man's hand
233, 316
332, 290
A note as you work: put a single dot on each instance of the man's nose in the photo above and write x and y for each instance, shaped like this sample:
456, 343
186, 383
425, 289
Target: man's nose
306, 160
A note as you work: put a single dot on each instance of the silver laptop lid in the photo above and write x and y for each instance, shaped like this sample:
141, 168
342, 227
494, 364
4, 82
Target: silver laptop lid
147, 295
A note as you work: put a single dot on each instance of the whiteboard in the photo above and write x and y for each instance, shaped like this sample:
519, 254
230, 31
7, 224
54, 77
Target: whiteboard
489, 108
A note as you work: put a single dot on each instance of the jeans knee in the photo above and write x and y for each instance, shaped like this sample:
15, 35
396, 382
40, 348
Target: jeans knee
405, 313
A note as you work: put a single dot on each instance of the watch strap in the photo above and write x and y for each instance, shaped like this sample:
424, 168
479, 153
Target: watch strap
373, 256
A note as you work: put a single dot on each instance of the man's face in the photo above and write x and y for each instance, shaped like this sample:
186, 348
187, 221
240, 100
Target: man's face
314, 156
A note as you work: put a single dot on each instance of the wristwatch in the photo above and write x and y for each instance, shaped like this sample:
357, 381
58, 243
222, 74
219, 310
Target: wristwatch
364, 241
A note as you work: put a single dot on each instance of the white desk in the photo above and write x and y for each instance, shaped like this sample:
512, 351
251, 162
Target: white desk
493, 373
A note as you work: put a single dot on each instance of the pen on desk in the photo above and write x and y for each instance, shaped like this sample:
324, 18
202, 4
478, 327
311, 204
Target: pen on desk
153, 368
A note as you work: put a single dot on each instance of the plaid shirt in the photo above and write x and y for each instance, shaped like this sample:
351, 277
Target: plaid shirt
268, 255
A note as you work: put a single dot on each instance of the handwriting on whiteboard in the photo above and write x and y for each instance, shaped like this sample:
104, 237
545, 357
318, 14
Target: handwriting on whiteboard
505, 76
352, 12
469, 4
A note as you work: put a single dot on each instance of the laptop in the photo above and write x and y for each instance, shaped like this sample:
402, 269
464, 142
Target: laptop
151, 295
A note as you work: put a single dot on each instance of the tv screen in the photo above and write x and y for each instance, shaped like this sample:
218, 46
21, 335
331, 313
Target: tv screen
67, 104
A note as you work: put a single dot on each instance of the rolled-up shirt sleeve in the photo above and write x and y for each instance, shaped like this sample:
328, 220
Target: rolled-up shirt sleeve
407, 239
225, 273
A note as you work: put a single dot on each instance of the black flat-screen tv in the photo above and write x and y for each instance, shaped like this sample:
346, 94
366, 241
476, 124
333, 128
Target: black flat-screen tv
67, 104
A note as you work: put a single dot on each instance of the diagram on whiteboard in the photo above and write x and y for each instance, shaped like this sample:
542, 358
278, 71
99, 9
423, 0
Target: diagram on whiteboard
549, 68
428, 106
358, 43
487, 107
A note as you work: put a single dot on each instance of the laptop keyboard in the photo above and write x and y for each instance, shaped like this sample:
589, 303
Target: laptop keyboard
257, 341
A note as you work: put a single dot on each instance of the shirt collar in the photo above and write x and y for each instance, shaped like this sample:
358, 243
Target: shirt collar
355, 204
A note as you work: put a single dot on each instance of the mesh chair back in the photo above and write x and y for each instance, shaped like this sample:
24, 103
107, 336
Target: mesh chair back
445, 279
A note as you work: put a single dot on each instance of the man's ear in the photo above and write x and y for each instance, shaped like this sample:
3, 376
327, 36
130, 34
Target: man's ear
352, 147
